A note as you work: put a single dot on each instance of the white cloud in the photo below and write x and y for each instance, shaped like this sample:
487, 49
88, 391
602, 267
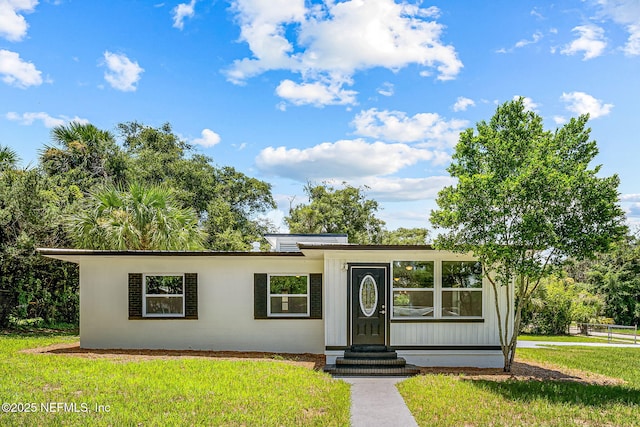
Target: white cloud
535, 38
463, 103
182, 11
529, 105
632, 48
405, 189
396, 126
16, 72
591, 41
317, 93
343, 159
582, 103
630, 198
13, 26
387, 89
534, 12
208, 139
46, 119
627, 14
122, 73
330, 42
559, 120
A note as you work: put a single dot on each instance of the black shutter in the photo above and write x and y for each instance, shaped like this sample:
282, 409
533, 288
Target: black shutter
191, 295
259, 296
135, 295
316, 295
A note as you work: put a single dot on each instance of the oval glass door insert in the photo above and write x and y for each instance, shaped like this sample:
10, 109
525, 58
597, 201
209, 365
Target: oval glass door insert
368, 295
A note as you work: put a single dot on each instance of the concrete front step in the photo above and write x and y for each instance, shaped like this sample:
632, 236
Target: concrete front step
368, 360
369, 348
366, 370
342, 361
349, 354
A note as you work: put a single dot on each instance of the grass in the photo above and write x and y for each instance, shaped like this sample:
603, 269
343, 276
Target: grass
576, 338
440, 400
560, 338
163, 392
631, 332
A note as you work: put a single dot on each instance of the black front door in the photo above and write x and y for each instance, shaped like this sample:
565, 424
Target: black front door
368, 296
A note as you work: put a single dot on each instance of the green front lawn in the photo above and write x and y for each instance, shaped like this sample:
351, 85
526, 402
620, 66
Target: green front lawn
576, 338
441, 400
162, 392
561, 338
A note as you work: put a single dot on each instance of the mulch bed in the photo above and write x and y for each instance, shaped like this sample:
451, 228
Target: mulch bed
308, 360
525, 371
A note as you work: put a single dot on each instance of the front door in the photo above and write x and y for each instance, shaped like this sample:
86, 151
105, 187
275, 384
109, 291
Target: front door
368, 296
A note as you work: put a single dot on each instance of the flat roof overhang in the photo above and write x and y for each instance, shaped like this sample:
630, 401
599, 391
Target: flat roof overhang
309, 250
74, 255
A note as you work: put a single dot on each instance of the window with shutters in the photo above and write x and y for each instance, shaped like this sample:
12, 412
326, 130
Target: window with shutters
288, 295
163, 295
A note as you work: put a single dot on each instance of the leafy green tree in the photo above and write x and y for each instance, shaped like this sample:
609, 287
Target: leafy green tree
556, 303
228, 202
615, 276
405, 236
586, 307
139, 218
228, 229
549, 312
31, 286
330, 210
525, 201
8, 158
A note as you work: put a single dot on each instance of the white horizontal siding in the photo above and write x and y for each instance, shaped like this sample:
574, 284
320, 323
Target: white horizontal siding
336, 312
404, 333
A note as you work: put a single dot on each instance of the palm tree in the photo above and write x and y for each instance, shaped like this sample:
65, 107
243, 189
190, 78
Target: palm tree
139, 218
84, 148
8, 158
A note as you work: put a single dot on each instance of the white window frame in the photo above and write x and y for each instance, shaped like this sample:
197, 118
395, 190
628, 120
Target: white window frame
443, 290
145, 295
432, 289
307, 295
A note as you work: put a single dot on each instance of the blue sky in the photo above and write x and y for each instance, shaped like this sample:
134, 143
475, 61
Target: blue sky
371, 92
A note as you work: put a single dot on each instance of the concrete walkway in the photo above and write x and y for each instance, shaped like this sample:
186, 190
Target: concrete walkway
534, 344
375, 401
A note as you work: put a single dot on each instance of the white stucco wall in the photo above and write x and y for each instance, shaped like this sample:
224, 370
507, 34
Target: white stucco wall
225, 306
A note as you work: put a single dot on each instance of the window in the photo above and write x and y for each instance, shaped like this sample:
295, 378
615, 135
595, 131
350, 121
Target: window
163, 295
413, 283
461, 289
288, 295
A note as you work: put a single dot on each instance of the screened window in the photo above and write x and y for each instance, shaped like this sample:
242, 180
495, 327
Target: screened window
288, 295
413, 283
163, 295
461, 289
